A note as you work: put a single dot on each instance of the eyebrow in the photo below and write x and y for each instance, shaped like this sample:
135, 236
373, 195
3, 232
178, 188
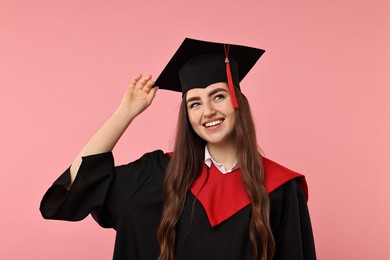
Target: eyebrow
213, 92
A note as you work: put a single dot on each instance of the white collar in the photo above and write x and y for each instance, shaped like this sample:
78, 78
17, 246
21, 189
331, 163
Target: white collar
208, 160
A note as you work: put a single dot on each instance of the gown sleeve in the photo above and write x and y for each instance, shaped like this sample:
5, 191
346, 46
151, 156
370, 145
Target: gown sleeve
291, 224
87, 191
99, 188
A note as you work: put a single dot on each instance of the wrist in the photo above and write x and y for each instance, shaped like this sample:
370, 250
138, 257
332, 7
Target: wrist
125, 114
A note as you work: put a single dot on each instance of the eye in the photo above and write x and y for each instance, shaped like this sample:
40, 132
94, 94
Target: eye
219, 97
194, 105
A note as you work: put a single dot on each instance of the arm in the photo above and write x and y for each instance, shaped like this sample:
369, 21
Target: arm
292, 226
138, 96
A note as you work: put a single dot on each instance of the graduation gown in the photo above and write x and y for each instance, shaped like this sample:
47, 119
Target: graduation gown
128, 198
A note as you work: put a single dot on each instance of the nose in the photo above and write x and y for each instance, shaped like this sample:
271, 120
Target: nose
208, 110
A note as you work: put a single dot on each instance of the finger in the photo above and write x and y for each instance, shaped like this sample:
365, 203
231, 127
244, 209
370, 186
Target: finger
135, 80
148, 86
143, 82
152, 94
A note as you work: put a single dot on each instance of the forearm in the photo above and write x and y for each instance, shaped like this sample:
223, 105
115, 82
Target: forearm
138, 96
105, 138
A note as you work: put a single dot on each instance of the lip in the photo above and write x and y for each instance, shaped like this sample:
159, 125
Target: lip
213, 120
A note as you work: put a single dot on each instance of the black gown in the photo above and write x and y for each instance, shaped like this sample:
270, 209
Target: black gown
128, 199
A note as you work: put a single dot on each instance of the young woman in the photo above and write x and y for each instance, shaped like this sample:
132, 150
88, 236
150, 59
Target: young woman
214, 197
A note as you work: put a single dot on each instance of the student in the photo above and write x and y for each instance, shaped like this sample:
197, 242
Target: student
214, 196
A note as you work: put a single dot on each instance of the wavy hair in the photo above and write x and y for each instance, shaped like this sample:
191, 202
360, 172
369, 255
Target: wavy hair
188, 157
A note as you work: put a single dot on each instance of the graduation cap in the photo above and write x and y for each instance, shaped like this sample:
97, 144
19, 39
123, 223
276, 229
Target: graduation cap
198, 64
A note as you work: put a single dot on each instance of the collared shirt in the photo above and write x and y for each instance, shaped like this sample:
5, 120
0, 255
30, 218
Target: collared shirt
208, 160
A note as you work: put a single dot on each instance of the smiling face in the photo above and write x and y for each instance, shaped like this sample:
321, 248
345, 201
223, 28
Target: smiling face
211, 113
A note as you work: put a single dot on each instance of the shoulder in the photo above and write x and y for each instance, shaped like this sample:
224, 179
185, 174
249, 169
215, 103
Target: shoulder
276, 175
156, 162
150, 166
157, 158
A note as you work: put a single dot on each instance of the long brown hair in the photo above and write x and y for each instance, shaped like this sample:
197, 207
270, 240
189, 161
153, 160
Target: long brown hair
188, 157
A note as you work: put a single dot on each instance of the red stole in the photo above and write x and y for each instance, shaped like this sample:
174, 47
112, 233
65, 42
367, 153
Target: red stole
223, 195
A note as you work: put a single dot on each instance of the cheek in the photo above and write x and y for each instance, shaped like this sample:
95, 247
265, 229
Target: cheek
232, 117
192, 118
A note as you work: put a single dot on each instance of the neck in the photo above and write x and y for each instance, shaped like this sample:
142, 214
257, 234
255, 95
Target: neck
224, 154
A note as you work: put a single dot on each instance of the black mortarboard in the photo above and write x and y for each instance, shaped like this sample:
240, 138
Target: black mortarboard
198, 64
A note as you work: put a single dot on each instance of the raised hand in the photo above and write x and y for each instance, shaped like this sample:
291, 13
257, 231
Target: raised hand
139, 95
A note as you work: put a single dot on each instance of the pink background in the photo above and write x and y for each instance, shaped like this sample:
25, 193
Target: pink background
320, 95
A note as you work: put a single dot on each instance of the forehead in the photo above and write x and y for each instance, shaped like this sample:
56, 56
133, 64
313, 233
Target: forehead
197, 92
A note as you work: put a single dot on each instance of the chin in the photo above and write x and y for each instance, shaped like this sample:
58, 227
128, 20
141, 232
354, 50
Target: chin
218, 141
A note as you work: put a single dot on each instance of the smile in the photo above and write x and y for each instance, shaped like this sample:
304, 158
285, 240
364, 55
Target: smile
213, 123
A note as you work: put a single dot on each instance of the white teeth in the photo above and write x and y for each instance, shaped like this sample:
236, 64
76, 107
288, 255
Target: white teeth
213, 123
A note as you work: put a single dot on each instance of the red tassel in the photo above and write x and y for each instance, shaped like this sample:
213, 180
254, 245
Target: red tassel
231, 86
230, 80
